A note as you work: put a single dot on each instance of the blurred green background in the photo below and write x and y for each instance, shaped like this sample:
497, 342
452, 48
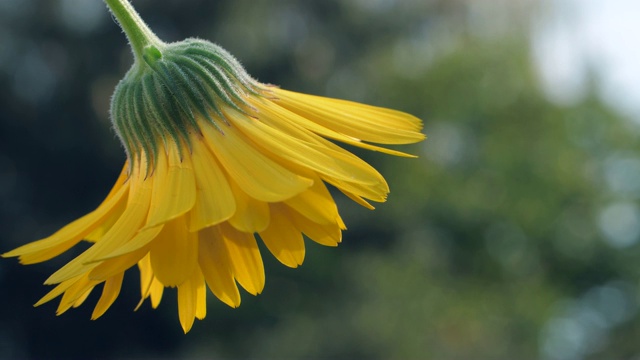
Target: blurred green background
514, 235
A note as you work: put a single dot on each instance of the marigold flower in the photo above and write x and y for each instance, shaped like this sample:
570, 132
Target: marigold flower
214, 158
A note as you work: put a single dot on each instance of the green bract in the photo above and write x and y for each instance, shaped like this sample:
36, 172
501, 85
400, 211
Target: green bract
163, 97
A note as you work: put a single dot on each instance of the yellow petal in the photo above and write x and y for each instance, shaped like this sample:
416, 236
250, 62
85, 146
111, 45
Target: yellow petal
294, 124
254, 172
216, 266
365, 122
251, 215
374, 193
201, 295
174, 187
155, 292
108, 222
110, 293
282, 238
215, 201
245, 258
358, 199
57, 291
369, 183
315, 203
69, 235
140, 240
114, 266
78, 290
174, 253
324, 234
149, 285
82, 298
146, 275
190, 303
122, 231
322, 159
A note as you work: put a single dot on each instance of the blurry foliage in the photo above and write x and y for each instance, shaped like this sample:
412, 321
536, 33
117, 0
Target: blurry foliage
490, 245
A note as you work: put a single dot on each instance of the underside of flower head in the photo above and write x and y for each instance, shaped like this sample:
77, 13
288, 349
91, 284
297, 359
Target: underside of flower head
163, 98
216, 163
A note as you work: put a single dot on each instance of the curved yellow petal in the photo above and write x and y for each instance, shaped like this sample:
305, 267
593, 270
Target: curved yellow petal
216, 266
365, 122
295, 125
315, 203
323, 234
201, 296
108, 222
71, 234
57, 291
251, 215
83, 297
149, 284
282, 238
140, 240
357, 199
341, 165
376, 193
215, 201
256, 174
146, 276
77, 291
114, 266
190, 301
155, 292
174, 253
110, 293
122, 231
246, 261
174, 187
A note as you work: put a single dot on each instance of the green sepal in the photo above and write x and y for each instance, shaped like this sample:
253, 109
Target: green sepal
165, 94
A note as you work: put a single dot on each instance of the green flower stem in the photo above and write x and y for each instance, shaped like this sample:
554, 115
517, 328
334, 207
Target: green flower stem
138, 33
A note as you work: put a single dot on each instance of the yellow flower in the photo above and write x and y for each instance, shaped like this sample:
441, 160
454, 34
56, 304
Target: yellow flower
214, 158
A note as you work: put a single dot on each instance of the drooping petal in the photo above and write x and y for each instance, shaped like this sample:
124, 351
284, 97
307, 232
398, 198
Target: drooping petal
374, 193
140, 240
174, 253
146, 275
245, 164
72, 233
292, 123
216, 266
215, 201
251, 215
319, 158
315, 203
76, 292
190, 302
149, 284
155, 292
108, 222
201, 295
118, 265
121, 232
110, 293
174, 187
57, 291
366, 182
357, 199
365, 122
323, 234
246, 261
282, 238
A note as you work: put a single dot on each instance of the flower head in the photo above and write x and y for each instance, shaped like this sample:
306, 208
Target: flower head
215, 160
